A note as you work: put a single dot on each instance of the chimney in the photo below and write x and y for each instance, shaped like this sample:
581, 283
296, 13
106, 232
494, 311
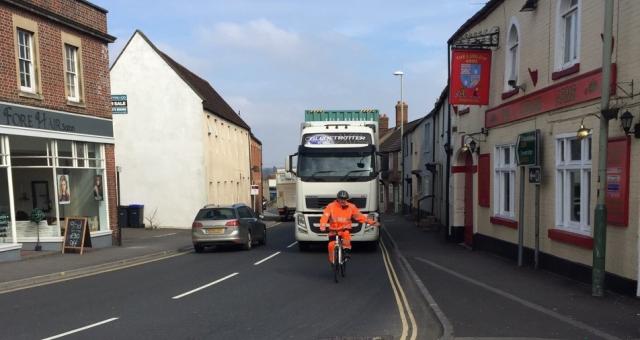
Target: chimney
383, 124
405, 114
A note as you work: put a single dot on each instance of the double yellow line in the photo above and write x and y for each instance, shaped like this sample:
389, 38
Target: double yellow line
401, 299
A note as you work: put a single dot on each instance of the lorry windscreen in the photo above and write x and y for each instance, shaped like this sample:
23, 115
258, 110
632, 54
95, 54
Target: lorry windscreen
336, 165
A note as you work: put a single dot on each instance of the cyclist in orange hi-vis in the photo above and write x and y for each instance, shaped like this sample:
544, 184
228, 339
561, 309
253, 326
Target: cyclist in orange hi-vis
337, 216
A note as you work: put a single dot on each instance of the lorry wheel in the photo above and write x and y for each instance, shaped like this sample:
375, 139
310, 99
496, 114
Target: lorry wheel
303, 246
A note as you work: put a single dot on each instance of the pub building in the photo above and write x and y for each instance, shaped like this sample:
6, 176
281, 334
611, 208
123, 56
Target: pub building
522, 70
56, 133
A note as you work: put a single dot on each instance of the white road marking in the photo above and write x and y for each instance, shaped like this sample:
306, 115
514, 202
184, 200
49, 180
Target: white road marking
266, 258
523, 302
275, 225
81, 329
164, 235
205, 286
401, 299
292, 244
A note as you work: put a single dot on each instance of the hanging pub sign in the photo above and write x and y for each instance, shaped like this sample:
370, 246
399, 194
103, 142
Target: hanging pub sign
470, 75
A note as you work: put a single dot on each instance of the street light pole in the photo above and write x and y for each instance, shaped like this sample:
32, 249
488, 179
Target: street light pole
600, 225
401, 74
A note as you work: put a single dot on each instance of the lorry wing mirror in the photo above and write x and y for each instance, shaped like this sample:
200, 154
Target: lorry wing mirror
289, 162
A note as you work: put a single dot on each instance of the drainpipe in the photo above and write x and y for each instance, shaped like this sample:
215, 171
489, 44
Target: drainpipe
600, 225
448, 169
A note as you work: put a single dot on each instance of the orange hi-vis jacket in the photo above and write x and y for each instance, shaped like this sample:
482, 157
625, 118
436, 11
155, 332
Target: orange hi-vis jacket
336, 217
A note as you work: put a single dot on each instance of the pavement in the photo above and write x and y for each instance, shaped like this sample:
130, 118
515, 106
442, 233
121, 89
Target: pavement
474, 294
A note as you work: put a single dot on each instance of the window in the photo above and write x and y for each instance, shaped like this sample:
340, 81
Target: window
513, 56
244, 212
26, 61
568, 33
71, 72
72, 58
504, 181
78, 155
573, 184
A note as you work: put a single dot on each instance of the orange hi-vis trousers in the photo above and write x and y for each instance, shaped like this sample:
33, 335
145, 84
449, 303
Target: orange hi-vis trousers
346, 241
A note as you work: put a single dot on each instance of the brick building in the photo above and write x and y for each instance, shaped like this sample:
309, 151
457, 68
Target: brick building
255, 158
546, 76
56, 135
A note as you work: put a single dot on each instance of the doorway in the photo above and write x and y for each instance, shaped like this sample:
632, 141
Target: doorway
468, 199
40, 194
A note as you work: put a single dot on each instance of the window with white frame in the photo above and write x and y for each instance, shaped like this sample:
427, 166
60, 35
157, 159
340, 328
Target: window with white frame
71, 72
504, 181
79, 155
568, 33
26, 61
573, 184
513, 57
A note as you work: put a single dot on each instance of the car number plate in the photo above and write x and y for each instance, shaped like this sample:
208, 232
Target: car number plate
215, 231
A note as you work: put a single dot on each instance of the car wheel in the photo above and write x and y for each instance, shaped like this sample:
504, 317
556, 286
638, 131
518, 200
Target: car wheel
248, 243
198, 248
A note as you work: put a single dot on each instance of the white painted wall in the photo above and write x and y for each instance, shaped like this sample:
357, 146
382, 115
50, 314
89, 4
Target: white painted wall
159, 142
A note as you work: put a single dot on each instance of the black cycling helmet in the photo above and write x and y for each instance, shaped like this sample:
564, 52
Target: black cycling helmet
343, 194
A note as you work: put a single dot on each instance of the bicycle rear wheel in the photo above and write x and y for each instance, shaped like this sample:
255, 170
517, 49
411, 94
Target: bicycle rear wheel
336, 263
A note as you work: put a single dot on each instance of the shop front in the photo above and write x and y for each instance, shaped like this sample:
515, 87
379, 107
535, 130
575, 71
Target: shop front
52, 167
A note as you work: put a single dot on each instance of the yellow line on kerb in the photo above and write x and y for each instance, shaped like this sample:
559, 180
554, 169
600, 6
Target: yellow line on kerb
401, 299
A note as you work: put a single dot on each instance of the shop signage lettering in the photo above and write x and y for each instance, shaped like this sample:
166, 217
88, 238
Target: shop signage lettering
40, 119
574, 91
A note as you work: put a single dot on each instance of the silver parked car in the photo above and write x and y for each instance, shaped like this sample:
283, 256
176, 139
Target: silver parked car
219, 225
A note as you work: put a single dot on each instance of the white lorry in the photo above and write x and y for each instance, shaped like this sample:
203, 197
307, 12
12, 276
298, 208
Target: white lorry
285, 194
338, 151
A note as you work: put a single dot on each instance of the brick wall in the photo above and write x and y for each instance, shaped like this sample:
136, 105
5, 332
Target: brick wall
256, 169
77, 11
109, 151
95, 67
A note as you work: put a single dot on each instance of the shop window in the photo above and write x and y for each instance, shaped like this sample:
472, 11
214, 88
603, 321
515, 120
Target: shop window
5, 209
567, 34
573, 184
30, 152
504, 181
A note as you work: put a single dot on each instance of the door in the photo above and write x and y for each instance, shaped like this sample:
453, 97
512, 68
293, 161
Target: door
40, 194
468, 200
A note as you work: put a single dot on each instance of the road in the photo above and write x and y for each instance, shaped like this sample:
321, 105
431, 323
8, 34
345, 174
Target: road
269, 292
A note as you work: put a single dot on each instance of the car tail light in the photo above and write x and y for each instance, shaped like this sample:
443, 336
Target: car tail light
196, 225
232, 223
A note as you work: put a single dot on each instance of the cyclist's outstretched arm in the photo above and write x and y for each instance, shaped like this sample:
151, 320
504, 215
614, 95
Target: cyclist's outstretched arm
358, 216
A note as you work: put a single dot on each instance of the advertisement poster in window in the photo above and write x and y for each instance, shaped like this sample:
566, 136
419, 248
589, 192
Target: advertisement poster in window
97, 188
470, 76
617, 198
64, 191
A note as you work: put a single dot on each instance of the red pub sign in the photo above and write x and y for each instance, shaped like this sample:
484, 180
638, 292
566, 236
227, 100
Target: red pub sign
470, 75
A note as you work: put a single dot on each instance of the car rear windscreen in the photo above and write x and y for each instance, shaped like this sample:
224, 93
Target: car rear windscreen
216, 214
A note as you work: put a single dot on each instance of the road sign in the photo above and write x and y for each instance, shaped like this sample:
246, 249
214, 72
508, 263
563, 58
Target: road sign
535, 175
119, 103
528, 148
255, 190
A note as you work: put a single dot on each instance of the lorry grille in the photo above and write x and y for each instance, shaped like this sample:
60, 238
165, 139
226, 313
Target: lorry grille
315, 202
314, 223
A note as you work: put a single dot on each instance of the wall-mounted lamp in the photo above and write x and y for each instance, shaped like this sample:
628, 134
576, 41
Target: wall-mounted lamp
473, 145
625, 121
583, 132
529, 6
515, 86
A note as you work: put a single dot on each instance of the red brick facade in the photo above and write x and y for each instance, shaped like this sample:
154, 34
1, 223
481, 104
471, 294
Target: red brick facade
94, 72
256, 169
53, 19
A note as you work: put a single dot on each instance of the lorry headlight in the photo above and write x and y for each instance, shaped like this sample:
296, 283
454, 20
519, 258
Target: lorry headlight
300, 221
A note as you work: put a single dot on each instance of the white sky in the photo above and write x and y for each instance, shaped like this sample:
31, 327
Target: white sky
272, 59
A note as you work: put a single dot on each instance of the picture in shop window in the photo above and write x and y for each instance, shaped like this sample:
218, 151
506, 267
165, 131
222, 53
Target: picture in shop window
64, 192
97, 188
